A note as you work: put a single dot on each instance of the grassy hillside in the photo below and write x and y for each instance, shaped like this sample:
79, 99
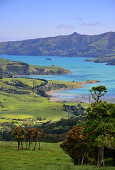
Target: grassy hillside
20, 100
65, 45
14, 68
33, 86
58, 85
23, 107
50, 157
25, 100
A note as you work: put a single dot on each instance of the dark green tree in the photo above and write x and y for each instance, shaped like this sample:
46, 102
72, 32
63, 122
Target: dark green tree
100, 123
95, 134
101, 127
97, 92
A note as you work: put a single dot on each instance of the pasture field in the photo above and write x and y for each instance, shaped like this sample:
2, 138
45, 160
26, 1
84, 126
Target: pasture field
50, 157
15, 106
20, 101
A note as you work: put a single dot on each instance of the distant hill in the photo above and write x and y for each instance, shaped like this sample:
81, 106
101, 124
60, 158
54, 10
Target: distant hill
107, 60
65, 45
14, 68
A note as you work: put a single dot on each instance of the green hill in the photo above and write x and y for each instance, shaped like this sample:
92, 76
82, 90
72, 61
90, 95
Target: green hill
14, 68
65, 45
26, 100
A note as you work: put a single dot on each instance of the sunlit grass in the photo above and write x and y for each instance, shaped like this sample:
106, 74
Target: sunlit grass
25, 106
17, 106
15, 116
50, 157
5, 120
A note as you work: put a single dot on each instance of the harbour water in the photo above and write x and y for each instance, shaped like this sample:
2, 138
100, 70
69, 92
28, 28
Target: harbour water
80, 71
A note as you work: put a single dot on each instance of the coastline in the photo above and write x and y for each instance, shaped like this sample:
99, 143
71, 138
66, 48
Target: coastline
50, 93
106, 62
69, 99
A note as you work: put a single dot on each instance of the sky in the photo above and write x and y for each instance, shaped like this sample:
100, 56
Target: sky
29, 19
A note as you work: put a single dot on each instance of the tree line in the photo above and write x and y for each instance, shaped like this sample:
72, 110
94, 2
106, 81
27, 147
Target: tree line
53, 131
88, 141
29, 137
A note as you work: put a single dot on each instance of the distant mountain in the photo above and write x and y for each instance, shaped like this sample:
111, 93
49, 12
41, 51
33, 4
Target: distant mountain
65, 45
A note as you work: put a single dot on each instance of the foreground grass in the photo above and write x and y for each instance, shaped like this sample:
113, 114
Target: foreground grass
50, 157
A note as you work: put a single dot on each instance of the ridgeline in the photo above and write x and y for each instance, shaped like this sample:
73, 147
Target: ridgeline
75, 45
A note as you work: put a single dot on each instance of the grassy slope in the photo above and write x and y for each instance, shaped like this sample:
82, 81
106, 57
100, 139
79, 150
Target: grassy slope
25, 106
59, 85
10, 83
50, 157
72, 84
31, 108
49, 69
3, 63
30, 69
14, 105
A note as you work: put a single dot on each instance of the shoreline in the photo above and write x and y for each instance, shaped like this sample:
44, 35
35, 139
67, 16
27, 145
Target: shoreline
50, 93
73, 98
76, 98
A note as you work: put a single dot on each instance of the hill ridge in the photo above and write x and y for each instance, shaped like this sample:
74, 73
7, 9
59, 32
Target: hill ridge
73, 45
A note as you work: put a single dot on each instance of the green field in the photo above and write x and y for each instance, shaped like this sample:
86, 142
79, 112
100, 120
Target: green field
19, 101
15, 106
50, 157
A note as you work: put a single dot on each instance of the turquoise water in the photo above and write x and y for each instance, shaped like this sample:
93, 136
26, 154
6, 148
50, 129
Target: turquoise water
81, 71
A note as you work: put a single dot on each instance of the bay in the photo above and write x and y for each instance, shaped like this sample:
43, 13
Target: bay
80, 71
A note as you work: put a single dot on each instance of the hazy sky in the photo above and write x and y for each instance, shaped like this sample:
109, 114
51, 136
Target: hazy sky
26, 19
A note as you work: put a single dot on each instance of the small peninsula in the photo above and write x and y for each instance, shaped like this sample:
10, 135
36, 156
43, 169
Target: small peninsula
40, 87
15, 68
108, 60
56, 85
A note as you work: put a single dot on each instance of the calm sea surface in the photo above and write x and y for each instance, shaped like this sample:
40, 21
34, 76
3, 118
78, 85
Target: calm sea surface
81, 71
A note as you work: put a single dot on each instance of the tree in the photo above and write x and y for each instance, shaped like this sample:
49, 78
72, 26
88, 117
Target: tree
100, 125
32, 137
95, 134
40, 135
76, 144
18, 134
97, 92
